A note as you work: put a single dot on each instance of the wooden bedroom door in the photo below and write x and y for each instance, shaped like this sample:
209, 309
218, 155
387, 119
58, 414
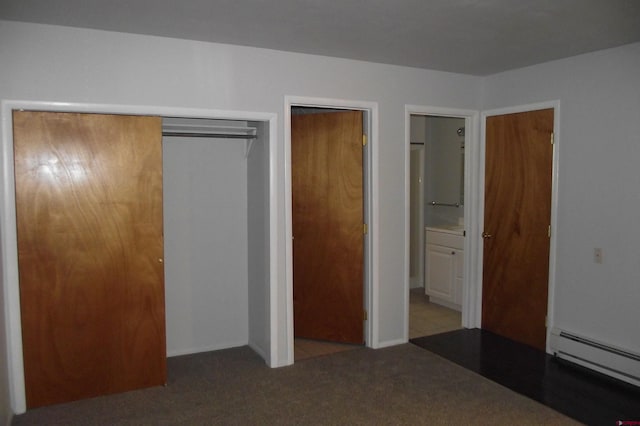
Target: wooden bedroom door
328, 218
517, 218
90, 248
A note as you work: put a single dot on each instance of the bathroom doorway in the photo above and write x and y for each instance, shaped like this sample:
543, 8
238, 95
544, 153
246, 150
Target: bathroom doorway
438, 182
362, 117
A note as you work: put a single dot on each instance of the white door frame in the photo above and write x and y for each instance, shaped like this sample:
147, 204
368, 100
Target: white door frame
471, 202
370, 110
10, 287
555, 105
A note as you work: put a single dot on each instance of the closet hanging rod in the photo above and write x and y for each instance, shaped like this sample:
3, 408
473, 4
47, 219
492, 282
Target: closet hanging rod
435, 203
209, 135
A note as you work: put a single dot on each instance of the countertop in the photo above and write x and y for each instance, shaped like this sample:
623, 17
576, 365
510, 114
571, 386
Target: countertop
448, 229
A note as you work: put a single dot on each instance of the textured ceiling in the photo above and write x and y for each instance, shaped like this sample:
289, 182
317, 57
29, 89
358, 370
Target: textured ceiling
477, 37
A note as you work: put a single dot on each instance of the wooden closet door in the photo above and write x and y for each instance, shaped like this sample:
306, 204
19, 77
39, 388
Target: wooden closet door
90, 247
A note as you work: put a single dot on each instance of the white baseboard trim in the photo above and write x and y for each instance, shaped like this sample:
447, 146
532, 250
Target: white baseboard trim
389, 343
260, 352
620, 363
446, 304
217, 347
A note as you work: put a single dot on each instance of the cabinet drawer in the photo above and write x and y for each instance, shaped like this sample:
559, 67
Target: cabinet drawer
445, 239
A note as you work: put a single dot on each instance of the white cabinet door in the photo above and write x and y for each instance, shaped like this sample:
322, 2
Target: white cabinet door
440, 272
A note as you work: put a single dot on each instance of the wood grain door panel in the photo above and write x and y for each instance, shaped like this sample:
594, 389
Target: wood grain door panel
327, 210
90, 248
518, 178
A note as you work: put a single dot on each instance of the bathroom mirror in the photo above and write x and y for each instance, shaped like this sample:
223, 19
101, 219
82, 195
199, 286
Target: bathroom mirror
436, 183
444, 143
445, 160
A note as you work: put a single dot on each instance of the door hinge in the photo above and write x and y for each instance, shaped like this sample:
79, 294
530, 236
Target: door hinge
365, 229
364, 140
551, 138
366, 315
549, 231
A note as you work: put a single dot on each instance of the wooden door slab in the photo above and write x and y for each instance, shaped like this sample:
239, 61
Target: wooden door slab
90, 248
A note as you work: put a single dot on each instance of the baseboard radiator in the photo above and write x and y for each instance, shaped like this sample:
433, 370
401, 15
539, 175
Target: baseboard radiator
616, 362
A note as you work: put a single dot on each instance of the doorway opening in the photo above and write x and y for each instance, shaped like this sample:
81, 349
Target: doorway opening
440, 144
330, 226
259, 257
437, 212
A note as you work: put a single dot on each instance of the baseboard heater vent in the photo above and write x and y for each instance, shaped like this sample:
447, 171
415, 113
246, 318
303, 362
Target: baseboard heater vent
612, 361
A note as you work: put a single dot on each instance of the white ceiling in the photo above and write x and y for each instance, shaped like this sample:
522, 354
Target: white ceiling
477, 37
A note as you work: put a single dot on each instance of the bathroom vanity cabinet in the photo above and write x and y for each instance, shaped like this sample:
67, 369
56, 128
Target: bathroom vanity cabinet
444, 265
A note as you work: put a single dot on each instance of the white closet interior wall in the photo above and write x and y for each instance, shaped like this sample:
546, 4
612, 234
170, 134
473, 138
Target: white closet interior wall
258, 219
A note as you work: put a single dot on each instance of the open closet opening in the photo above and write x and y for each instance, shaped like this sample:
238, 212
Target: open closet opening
437, 217
160, 223
216, 222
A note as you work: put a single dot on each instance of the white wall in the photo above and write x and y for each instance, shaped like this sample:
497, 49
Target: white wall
417, 135
416, 215
259, 242
205, 233
418, 128
5, 402
51, 63
598, 187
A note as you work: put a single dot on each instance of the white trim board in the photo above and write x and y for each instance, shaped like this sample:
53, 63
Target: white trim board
371, 287
7, 206
555, 105
471, 171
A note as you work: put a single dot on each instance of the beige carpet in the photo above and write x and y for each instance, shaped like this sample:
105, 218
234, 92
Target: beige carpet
401, 385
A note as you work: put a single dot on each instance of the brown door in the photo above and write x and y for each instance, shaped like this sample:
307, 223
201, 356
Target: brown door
89, 224
519, 157
328, 262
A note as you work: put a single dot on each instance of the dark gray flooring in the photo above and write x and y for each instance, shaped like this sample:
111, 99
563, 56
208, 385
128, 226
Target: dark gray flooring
586, 396
400, 385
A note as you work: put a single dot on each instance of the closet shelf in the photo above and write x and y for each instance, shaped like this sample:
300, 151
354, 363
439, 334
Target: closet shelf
208, 128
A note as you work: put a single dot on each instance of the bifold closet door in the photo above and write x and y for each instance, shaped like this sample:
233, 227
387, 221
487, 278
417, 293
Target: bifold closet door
90, 247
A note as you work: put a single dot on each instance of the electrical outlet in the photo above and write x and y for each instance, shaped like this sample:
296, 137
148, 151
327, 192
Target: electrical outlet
597, 255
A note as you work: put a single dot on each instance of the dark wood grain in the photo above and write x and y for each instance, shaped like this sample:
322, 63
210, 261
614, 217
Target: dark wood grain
90, 247
518, 178
328, 262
